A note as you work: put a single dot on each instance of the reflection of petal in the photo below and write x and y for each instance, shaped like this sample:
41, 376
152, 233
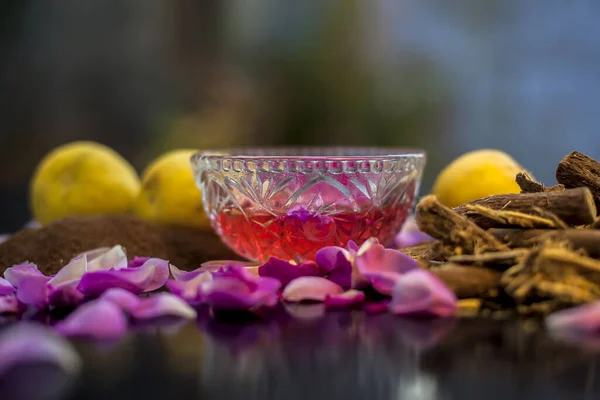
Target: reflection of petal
305, 311
29, 343
584, 318
310, 288
423, 333
9, 304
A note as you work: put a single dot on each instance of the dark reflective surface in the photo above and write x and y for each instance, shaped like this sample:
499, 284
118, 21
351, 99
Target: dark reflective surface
345, 355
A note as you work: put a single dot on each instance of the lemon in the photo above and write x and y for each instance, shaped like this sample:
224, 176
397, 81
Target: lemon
82, 178
475, 175
169, 195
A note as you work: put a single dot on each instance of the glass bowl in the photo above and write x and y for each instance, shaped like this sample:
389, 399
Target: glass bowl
288, 203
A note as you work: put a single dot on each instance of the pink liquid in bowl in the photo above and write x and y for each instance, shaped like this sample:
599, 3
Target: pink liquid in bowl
261, 235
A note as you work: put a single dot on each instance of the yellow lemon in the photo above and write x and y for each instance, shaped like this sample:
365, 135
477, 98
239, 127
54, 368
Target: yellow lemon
169, 194
82, 178
475, 175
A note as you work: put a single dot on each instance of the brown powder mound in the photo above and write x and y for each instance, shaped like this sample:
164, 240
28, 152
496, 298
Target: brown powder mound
53, 245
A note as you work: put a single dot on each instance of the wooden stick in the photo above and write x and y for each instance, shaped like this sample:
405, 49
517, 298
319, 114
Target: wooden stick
529, 185
573, 206
468, 282
587, 239
578, 170
445, 224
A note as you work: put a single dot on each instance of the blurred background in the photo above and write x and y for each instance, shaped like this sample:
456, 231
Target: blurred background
146, 76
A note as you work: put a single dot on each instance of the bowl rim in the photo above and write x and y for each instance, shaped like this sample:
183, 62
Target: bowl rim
298, 153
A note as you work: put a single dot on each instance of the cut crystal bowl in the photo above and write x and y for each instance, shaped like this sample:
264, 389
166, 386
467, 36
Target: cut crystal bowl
288, 203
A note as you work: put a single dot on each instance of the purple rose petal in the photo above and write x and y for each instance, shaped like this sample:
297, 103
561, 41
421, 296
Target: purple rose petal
228, 293
163, 305
250, 277
98, 319
34, 290
310, 288
15, 273
150, 276
352, 246
189, 290
347, 299
580, 319
286, 272
137, 262
126, 300
9, 304
27, 343
419, 292
4, 237
338, 263
65, 295
6, 287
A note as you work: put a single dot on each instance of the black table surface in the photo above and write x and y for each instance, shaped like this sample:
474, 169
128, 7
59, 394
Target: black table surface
337, 355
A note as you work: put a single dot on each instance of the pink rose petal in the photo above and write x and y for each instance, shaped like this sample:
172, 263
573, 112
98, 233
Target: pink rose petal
373, 257
250, 277
419, 292
126, 300
285, 271
98, 319
189, 290
163, 305
137, 262
15, 273
9, 305
580, 319
310, 288
384, 282
6, 287
347, 299
33, 290
93, 284
106, 258
71, 272
157, 271
410, 235
182, 276
228, 293
27, 343
4, 237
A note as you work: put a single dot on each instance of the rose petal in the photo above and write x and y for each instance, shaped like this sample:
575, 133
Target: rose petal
163, 305
182, 276
228, 293
137, 262
9, 305
4, 237
66, 295
15, 273
98, 319
310, 288
338, 263
126, 300
71, 272
250, 277
419, 292
189, 290
580, 319
375, 257
352, 246
383, 282
410, 235
6, 287
27, 343
33, 290
286, 272
347, 299
150, 276
105, 258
